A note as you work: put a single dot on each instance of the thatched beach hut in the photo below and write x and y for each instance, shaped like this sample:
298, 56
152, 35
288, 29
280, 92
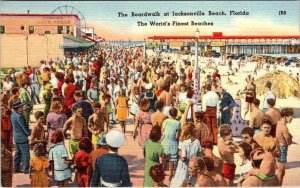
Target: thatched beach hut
283, 85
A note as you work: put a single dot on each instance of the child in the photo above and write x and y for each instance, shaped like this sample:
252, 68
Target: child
81, 162
122, 109
39, 165
158, 175
78, 129
6, 166
227, 147
58, 154
97, 122
38, 132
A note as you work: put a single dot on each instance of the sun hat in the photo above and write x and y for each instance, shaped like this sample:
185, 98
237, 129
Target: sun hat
115, 138
149, 86
17, 104
102, 140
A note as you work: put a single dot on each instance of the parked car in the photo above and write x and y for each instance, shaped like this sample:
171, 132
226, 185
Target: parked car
216, 55
288, 62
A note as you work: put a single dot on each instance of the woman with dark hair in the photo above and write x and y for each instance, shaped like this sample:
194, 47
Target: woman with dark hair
58, 154
143, 122
171, 130
122, 109
188, 147
153, 153
244, 152
157, 174
55, 119
158, 117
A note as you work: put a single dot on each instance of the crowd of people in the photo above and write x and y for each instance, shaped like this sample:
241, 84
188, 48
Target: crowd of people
89, 92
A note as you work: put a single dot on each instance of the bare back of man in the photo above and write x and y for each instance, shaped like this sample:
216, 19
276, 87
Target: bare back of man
205, 181
274, 114
256, 117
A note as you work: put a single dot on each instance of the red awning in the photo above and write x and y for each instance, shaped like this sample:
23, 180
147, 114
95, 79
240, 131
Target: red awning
88, 38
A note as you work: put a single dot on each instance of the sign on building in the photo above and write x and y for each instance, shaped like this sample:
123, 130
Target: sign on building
217, 43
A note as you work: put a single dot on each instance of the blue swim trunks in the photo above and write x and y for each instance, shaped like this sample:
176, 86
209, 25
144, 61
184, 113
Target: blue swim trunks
283, 154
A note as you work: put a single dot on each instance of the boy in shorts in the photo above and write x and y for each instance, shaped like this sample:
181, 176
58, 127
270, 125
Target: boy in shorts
78, 129
227, 147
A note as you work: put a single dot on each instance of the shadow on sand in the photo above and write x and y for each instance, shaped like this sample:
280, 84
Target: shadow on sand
134, 163
293, 164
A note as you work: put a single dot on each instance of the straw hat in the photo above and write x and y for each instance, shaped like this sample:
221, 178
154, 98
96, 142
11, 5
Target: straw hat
115, 138
144, 104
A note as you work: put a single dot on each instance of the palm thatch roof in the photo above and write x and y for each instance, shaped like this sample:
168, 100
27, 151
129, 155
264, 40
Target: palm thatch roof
283, 85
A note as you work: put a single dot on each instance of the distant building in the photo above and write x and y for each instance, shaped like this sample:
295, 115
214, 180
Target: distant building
40, 24
26, 39
90, 32
253, 44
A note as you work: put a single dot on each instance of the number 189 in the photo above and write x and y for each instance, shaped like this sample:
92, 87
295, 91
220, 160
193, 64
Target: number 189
282, 12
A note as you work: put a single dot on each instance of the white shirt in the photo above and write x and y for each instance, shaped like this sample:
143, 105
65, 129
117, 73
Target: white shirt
245, 168
54, 81
63, 88
112, 90
7, 85
182, 97
210, 99
117, 90
269, 95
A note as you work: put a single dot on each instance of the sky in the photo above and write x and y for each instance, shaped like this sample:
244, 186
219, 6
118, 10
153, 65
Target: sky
263, 18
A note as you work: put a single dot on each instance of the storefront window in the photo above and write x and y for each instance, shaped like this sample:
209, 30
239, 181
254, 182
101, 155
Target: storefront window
68, 29
60, 29
2, 29
31, 29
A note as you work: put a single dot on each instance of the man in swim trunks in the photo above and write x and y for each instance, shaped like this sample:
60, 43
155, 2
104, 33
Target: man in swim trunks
285, 139
250, 91
78, 129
